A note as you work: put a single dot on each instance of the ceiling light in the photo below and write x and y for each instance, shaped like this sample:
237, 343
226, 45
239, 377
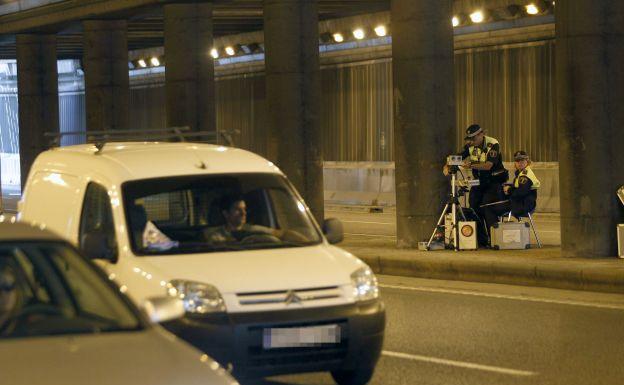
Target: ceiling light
477, 17
381, 30
359, 34
532, 9
155, 62
455, 21
214, 53
338, 38
142, 63
230, 51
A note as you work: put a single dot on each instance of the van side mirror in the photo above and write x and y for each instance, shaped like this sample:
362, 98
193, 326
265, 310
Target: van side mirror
332, 228
95, 245
162, 309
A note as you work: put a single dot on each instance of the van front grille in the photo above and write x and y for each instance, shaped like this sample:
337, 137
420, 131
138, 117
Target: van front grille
289, 296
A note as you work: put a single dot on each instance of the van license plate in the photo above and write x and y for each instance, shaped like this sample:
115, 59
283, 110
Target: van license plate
300, 337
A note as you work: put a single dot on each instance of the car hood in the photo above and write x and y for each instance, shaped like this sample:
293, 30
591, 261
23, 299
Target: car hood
262, 270
151, 357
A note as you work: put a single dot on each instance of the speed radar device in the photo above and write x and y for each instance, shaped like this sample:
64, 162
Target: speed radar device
454, 160
458, 232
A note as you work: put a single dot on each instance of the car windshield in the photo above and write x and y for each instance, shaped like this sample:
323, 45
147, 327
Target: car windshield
47, 289
233, 212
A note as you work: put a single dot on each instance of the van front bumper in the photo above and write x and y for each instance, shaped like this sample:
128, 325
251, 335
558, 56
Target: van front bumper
237, 339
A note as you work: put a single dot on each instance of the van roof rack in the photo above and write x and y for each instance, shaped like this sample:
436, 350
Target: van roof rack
100, 138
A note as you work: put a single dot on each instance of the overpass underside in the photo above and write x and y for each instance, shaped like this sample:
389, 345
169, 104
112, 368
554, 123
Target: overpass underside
355, 97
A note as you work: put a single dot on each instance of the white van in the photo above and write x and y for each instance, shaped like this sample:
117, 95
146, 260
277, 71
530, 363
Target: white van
223, 229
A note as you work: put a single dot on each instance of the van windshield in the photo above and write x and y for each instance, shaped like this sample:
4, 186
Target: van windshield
196, 214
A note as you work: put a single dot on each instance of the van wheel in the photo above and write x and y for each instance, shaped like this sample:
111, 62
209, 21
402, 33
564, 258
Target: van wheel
359, 376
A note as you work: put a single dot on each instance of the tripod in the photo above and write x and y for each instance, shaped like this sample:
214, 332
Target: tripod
455, 207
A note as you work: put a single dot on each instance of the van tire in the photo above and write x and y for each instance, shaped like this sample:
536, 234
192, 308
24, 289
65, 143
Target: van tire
358, 376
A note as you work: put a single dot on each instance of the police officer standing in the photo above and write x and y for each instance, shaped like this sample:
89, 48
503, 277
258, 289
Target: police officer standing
482, 155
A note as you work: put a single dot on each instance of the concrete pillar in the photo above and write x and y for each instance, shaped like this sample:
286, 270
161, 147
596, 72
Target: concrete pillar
189, 77
293, 95
105, 62
37, 83
424, 112
590, 120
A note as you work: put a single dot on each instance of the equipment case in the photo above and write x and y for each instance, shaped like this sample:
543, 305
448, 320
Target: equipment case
510, 236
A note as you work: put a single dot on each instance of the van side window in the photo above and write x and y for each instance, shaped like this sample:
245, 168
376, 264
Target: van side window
97, 217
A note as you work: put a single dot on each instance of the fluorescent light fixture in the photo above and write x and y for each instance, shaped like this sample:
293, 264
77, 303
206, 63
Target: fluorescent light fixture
477, 17
359, 33
381, 30
142, 63
338, 38
230, 51
532, 9
214, 53
155, 62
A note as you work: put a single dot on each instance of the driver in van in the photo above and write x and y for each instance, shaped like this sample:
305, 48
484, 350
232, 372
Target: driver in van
236, 228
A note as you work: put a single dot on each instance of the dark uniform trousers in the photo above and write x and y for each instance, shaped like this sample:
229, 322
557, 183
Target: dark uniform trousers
481, 195
518, 207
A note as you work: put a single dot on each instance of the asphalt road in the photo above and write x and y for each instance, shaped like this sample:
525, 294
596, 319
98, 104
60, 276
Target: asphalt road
362, 224
443, 332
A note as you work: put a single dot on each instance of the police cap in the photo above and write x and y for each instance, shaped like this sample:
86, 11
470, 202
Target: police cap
473, 131
521, 155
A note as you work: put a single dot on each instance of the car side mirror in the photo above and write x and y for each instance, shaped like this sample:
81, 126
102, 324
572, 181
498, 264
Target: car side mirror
95, 245
332, 228
162, 309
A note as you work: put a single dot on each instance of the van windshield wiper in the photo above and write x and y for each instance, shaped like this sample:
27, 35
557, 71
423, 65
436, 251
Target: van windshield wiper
207, 247
276, 245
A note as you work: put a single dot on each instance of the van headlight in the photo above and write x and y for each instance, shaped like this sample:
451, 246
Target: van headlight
364, 284
198, 298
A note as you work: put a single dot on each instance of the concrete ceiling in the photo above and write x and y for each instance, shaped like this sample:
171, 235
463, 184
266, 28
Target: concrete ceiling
145, 20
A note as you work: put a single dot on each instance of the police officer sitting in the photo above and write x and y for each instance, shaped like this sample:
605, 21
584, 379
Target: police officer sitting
482, 154
522, 192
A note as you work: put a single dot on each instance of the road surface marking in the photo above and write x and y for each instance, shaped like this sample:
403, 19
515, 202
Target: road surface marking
461, 364
505, 296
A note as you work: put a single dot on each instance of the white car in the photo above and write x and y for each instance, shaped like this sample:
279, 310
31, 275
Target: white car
63, 322
222, 228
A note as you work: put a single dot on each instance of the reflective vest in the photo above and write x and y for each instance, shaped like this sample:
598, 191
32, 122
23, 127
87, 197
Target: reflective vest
527, 172
478, 154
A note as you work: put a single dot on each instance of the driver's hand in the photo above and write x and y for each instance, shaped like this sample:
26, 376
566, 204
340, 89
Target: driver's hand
445, 170
467, 163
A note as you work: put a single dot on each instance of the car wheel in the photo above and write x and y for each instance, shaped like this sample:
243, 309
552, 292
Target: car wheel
358, 376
